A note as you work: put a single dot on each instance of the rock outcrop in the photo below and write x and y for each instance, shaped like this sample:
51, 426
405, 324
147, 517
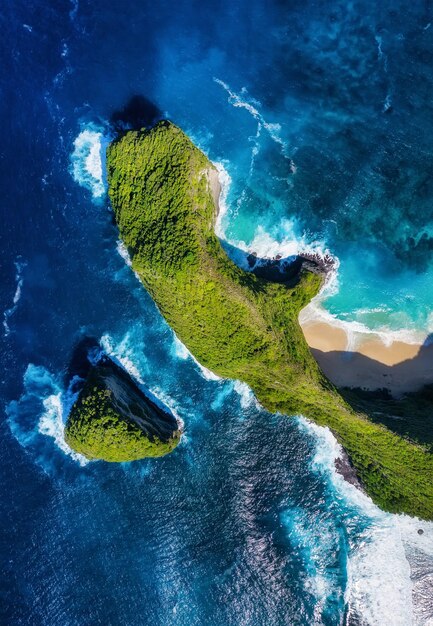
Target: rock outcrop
113, 420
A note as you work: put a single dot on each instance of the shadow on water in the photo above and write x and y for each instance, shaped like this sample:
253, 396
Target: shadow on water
80, 363
138, 113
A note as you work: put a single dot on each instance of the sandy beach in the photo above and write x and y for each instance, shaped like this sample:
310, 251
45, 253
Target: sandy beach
370, 364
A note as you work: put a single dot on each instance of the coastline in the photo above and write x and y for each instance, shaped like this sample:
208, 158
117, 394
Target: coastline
363, 360
349, 357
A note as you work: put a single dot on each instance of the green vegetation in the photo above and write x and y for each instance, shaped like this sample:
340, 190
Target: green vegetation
236, 324
112, 420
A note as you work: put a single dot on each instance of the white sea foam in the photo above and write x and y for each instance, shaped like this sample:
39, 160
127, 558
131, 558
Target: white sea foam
356, 332
246, 395
88, 160
165, 400
26, 421
382, 553
283, 240
381, 56
124, 353
20, 264
51, 424
316, 544
181, 352
387, 103
225, 182
250, 105
123, 251
204, 371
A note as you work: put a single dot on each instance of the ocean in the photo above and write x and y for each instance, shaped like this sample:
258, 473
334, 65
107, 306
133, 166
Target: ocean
318, 115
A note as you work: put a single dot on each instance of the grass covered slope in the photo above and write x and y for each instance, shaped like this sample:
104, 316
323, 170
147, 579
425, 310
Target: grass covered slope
236, 324
113, 420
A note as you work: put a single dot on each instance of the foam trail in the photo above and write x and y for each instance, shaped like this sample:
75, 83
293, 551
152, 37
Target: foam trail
88, 160
19, 266
41, 410
236, 100
380, 587
51, 424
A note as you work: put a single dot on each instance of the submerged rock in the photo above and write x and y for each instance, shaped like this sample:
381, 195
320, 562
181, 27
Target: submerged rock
113, 420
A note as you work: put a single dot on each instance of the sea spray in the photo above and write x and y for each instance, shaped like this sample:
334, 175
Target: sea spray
88, 160
251, 105
51, 424
123, 352
380, 586
41, 410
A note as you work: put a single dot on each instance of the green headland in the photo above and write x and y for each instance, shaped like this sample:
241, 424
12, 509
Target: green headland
237, 324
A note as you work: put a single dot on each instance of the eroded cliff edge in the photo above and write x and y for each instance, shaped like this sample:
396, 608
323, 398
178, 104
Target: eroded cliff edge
237, 324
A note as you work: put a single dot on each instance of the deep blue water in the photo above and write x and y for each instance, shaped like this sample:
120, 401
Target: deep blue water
321, 114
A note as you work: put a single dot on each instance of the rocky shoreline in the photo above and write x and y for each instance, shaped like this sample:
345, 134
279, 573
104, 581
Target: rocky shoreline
287, 270
345, 468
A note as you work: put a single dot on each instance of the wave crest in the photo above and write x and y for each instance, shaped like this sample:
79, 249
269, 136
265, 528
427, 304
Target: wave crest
88, 160
381, 562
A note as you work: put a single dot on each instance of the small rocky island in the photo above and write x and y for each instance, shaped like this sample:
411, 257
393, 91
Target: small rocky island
113, 420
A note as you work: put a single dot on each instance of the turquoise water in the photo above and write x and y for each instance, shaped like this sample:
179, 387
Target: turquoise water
320, 116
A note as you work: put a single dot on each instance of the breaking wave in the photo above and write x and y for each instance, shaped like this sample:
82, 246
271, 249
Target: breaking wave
384, 550
38, 416
282, 240
88, 160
